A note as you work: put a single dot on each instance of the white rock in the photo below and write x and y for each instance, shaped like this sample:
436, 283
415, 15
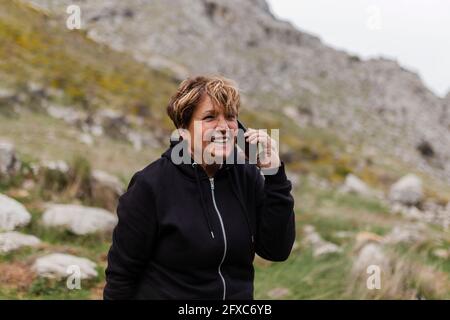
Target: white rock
353, 184
407, 190
12, 214
442, 253
12, 240
86, 139
68, 114
344, 234
406, 233
59, 265
58, 165
107, 180
8, 159
326, 248
371, 254
318, 245
80, 220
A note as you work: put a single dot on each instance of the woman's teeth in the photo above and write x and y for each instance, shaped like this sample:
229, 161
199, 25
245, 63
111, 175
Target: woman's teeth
220, 140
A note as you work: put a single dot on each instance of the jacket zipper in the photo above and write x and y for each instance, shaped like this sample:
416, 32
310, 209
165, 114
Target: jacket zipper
211, 180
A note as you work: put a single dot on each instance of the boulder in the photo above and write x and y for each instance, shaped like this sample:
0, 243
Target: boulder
56, 265
407, 190
353, 184
103, 179
79, 219
106, 189
406, 233
10, 241
9, 163
57, 165
318, 245
369, 254
12, 214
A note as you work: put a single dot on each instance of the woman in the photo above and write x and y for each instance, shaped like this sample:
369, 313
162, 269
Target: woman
190, 229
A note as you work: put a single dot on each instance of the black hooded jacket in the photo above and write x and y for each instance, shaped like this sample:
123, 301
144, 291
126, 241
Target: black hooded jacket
182, 235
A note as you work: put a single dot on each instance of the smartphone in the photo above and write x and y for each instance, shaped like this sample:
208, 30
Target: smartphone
250, 150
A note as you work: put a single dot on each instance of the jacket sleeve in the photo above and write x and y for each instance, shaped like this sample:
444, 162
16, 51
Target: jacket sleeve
132, 240
275, 218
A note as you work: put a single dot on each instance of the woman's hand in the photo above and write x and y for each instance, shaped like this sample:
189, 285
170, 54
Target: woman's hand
268, 155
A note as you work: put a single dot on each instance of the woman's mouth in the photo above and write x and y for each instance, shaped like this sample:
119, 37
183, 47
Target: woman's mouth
222, 140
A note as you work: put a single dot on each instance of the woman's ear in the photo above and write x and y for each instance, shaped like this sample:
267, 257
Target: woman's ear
182, 133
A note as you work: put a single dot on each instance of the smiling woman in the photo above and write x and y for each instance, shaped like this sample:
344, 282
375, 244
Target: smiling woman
191, 230
207, 109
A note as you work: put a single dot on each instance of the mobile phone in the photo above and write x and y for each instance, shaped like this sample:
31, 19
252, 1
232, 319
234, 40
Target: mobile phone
249, 149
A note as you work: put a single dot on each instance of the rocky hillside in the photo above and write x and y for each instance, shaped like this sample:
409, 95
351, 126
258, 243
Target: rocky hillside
78, 118
279, 67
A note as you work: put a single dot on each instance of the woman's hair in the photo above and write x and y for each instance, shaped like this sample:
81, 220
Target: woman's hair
223, 92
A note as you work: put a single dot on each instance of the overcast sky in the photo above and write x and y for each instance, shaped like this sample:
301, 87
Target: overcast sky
416, 33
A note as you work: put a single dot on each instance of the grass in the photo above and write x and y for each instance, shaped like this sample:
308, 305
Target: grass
32, 49
51, 139
35, 48
306, 277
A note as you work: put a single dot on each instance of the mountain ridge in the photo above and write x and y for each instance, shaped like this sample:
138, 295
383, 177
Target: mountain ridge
278, 67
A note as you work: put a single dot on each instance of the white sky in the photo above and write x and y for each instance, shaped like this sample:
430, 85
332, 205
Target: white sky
416, 33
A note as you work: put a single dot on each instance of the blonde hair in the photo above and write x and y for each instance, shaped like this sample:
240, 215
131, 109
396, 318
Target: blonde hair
223, 92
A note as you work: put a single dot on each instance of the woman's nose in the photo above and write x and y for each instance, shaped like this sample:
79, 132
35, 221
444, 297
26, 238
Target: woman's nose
222, 124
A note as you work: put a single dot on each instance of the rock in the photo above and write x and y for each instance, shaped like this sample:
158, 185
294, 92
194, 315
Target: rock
442, 253
114, 123
12, 240
318, 245
431, 213
67, 114
369, 254
326, 248
406, 233
78, 219
58, 165
278, 293
12, 214
106, 180
86, 139
9, 163
56, 265
106, 189
407, 190
353, 184
143, 139
343, 234
7, 94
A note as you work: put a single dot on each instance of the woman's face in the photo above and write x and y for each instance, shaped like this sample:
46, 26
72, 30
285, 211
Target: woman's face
213, 132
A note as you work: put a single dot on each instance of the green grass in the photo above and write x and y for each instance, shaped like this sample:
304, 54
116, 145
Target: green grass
32, 49
306, 277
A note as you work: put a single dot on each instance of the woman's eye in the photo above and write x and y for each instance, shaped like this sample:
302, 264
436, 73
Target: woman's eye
208, 118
